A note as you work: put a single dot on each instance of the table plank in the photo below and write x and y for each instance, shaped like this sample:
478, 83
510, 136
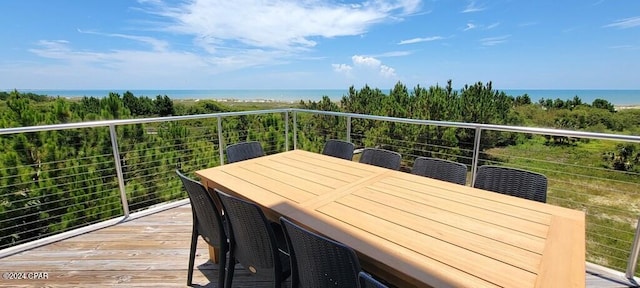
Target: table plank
563, 269
271, 178
392, 261
492, 239
339, 168
262, 189
465, 207
488, 197
435, 246
469, 197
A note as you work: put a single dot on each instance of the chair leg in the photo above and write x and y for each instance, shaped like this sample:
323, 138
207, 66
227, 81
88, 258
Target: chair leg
231, 265
192, 256
222, 267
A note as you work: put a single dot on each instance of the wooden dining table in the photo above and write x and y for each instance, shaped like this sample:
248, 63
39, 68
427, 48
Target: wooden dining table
414, 231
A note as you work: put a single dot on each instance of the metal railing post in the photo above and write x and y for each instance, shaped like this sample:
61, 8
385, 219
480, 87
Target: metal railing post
286, 130
476, 154
348, 128
220, 141
295, 130
635, 251
117, 160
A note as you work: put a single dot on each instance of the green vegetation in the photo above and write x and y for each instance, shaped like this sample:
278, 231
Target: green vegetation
57, 180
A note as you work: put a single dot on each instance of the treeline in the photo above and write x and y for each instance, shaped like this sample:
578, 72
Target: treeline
575, 102
477, 103
480, 103
53, 181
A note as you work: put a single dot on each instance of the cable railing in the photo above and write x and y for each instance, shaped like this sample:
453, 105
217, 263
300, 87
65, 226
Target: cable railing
610, 198
121, 167
116, 168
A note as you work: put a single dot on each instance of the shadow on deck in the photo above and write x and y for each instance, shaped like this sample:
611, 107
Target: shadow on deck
151, 251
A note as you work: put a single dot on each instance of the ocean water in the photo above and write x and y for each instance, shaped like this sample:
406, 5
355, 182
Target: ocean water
616, 97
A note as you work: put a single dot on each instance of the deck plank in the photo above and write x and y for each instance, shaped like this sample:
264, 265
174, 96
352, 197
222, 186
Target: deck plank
151, 251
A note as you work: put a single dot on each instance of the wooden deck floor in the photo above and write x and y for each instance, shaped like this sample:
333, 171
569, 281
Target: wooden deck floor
150, 251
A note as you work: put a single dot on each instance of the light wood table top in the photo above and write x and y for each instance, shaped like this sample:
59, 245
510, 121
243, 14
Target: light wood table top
412, 230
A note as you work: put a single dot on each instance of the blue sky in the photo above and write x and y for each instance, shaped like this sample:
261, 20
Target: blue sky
319, 44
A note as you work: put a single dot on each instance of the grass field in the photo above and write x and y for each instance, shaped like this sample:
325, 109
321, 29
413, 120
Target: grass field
580, 179
240, 105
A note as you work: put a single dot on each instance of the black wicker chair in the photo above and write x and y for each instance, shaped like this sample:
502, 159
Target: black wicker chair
338, 148
381, 158
317, 261
244, 151
366, 281
440, 169
253, 242
208, 223
511, 181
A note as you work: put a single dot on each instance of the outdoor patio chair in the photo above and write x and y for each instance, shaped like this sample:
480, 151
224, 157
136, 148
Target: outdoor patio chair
366, 281
208, 223
440, 169
511, 181
381, 158
244, 151
253, 242
338, 148
317, 261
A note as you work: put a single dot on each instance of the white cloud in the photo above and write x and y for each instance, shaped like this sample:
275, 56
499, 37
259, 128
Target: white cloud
393, 54
158, 45
341, 68
387, 71
418, 40
625, 23
494, 25
365, 61
472, 7
492, 41
282, 25
469, 27
364, 65
626, 47
155, 59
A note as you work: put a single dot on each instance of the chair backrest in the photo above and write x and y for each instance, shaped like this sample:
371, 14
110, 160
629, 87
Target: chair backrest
206, 216
244, 151
338, 148
511, 181
252, 240
317, 261
440, 169
381, 157
366, 281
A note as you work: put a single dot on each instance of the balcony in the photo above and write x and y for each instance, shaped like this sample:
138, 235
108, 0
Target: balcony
103, 217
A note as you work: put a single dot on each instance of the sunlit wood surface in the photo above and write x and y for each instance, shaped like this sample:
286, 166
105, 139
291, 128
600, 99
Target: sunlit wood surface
151, 251
413, 230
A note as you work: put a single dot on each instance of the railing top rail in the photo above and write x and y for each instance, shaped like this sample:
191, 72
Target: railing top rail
106, 123
504, 128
